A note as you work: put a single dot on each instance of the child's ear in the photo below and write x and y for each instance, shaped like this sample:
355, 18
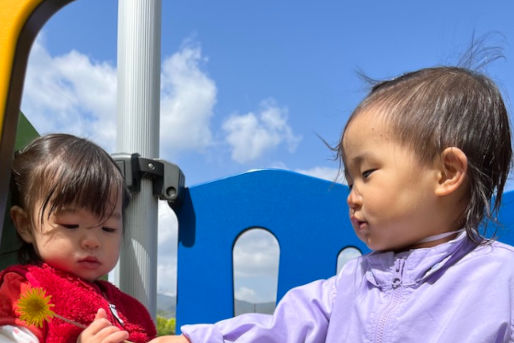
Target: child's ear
453, 169
22, 223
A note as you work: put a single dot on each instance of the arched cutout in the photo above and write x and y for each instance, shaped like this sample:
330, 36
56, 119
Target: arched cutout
255, 257
345, 255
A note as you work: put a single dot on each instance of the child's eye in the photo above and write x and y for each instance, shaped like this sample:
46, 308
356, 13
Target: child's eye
70, 226
108, 229
367, 173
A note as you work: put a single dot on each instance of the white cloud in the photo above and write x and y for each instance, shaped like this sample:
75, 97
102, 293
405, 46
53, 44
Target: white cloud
327, 173
247, 294
188, 97
253, 134
167, 223
167, 250
70, 93
167, 278
256, 253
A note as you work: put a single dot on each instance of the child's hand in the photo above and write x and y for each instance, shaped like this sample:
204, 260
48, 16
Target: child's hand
170, 339
102, 331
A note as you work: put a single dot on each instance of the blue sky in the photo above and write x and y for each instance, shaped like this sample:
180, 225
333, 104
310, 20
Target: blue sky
251, 84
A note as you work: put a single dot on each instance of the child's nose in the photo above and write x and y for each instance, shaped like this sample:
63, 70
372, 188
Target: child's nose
90, 241
354, 199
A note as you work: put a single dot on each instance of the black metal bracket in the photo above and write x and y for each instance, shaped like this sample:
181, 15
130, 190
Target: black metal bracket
167, 179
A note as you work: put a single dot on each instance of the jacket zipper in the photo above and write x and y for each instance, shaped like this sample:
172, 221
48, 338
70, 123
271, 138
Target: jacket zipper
114, 312
395, 300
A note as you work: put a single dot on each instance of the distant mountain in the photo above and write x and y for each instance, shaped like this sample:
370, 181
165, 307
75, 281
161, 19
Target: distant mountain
248, 307
166, 306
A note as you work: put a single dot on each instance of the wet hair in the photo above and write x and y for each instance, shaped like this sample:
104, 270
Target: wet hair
59, 170
435, 108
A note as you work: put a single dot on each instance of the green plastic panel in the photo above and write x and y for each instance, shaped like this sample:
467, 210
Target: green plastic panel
10, 242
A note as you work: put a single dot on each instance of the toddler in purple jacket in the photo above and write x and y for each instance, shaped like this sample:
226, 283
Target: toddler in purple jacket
423, 155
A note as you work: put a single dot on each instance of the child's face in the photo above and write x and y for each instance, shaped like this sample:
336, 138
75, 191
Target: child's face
392, 201
76, 241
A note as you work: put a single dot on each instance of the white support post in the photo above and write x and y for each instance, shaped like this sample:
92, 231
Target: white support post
139, 59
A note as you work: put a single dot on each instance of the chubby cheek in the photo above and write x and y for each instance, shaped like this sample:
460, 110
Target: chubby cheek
50, 249
378, 206
114, 253
57, 260
389, 206
113, 250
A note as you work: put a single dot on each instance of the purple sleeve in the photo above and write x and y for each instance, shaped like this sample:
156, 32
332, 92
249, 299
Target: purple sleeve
301, 316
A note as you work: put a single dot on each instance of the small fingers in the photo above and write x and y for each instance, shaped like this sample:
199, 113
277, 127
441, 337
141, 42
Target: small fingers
112, 334
101, 330
97, 325
100, 314
105, 334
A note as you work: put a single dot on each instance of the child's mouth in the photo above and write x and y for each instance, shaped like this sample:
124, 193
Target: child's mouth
359, 224
89, 262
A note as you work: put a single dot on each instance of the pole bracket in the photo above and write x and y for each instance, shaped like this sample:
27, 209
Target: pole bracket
167, 178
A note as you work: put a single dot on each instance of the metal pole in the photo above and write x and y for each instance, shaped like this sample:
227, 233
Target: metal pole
139, 57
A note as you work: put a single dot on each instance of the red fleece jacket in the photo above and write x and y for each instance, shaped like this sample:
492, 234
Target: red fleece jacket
75, 299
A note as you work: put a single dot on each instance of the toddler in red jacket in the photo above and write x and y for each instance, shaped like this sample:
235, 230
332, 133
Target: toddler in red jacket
68, 198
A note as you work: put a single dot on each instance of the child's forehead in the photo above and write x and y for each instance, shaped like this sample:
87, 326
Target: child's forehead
365, 127
81, 210
368, 136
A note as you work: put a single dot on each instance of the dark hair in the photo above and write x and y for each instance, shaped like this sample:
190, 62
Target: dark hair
436, 108
61, 169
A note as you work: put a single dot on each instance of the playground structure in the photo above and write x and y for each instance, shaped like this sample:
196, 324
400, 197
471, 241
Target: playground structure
306, 215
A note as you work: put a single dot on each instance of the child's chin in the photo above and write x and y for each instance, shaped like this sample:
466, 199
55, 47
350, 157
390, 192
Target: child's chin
379, 247
90, 277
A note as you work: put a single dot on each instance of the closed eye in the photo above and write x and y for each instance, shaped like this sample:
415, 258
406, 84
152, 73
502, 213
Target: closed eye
70, 226
109, 229
367, 173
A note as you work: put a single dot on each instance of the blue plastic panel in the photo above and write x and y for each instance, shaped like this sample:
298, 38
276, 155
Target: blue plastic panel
505, 231
308, 216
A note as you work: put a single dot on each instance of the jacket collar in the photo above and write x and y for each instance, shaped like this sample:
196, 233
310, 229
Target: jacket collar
411, 268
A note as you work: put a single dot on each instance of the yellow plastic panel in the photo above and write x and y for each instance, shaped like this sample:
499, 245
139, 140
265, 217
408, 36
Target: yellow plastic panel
13, 16
20, 21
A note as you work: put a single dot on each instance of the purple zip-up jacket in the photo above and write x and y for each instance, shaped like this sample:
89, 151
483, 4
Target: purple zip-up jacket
454, 292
